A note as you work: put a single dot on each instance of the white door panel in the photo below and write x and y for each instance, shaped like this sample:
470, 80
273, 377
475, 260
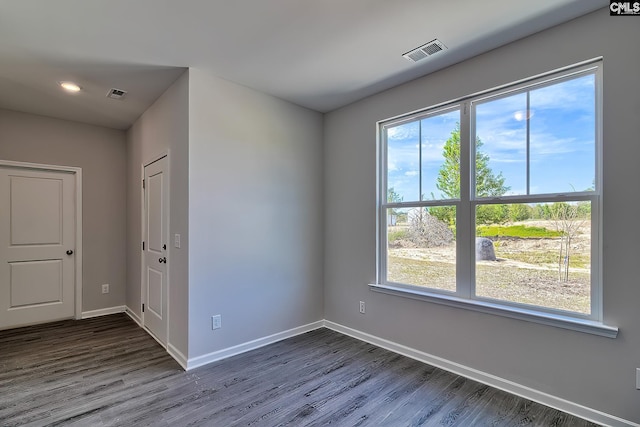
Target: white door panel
156, 208
154, 292
36, 210
37, 228
154, 214
35, 282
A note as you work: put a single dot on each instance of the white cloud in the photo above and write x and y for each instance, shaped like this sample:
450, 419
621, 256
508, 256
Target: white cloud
507, 160
403, 132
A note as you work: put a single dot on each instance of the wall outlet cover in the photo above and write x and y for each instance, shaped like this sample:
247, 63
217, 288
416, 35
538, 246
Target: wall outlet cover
216, 321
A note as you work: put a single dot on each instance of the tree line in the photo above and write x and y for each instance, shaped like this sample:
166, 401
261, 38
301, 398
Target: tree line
488, 184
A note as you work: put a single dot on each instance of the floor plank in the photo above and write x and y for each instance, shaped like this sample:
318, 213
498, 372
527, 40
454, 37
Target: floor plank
108, 372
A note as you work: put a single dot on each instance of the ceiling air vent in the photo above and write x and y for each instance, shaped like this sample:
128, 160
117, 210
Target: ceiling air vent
116, 93
424, 51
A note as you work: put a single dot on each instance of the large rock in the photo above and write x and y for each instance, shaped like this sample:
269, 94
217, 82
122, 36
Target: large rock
484, 249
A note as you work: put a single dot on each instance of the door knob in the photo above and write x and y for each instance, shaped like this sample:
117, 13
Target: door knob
69, 252
163, 259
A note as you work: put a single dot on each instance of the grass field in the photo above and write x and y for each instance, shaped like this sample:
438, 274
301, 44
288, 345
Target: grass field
519, 231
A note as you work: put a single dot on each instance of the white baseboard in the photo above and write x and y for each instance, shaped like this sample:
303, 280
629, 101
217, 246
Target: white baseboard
485, 378
178, 356
250, 345
173, 351
133, 316
103, 312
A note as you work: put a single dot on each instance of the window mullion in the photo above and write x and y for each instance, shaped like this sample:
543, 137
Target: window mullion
596, 206
420, 159
381, 238
596, 259
464, 218
528, 160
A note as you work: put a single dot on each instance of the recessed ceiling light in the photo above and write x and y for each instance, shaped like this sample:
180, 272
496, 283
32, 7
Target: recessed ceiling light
70, 86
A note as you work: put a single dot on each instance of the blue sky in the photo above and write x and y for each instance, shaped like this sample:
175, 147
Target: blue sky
562, 142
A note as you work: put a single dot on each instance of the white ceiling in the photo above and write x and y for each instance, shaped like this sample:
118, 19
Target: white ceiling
321, 54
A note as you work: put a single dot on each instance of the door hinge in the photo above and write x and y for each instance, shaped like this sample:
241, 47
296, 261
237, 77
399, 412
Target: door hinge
143, 246
143, 308
143, 183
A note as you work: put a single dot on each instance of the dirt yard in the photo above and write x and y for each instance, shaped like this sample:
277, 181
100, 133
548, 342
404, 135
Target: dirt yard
526, 270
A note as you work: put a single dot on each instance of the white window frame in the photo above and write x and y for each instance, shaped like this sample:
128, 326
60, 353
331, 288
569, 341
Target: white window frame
464, 296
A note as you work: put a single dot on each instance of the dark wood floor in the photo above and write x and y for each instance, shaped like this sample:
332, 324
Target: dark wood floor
107, 371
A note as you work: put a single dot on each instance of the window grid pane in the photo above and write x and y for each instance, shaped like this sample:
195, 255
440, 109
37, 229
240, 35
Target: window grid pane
423, 158
421, 247
536, 254
537, 141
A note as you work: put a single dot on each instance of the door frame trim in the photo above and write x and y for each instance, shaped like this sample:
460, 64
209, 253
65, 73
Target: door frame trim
77, 172
153, 159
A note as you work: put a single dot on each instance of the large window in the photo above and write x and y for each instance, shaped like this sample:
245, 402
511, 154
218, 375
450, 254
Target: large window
494, 200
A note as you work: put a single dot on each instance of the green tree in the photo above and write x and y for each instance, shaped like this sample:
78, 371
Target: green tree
584, 209
487, 183
519, 212
492, 214
393, 197
446, 214
542, 211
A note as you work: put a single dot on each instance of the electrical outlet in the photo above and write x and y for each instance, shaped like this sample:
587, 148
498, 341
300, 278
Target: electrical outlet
216, 321
176, 241
105, 288
362, 307
638, 378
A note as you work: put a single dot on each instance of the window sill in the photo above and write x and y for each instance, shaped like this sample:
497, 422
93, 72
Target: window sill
559, 321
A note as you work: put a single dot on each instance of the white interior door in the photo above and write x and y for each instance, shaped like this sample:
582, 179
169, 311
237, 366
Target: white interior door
154, 293
37, 239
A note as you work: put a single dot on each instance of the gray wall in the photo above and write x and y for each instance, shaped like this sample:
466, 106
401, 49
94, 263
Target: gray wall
163, 127
593, 371
101, 154
255, 214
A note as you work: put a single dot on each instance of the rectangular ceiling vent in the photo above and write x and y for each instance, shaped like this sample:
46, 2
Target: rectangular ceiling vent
424, 51
116, 93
